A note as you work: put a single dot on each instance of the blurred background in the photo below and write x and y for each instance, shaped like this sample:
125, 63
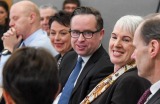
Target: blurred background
111, 10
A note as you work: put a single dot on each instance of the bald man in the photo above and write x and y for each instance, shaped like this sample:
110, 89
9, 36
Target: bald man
25, 31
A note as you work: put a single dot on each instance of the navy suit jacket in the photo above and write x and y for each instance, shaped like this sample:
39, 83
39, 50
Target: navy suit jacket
97, 67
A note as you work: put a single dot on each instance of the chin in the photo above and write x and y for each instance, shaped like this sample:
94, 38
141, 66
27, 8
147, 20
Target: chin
115, 61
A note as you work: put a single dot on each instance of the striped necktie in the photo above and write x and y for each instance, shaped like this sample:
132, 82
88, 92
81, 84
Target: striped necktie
144, 97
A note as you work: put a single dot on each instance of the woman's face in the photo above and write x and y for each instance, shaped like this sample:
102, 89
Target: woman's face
121, 46
3, 15
60, 37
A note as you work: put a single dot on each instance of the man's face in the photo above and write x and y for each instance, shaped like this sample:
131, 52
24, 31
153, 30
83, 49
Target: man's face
70, 7
45, 16
20, 20
141, 55
83, 46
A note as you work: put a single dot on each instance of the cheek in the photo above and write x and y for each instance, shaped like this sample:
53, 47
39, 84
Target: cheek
52, 38
68, 42
111, 44
72, 43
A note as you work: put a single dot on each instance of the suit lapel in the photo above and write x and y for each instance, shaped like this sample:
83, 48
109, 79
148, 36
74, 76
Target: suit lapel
154, 98
67, 68
89, 65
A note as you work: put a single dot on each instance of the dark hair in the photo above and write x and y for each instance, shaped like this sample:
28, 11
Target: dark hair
77, 2
30, 76
62, 18
89, 10
150, 29
5, 6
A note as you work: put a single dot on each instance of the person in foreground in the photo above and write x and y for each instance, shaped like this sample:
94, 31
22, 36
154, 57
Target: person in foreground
147, 56
89, 63
124, 86
30, 78
59, 34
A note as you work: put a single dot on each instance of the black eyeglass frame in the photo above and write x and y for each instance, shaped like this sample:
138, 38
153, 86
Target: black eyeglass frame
92, 32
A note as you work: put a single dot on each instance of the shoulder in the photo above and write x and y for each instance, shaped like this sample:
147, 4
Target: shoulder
70, 56
131, 79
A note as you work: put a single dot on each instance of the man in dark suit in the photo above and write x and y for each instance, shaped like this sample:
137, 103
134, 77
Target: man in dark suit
147, 56
87, 33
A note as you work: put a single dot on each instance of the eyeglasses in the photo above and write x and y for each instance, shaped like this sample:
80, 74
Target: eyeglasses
86, 34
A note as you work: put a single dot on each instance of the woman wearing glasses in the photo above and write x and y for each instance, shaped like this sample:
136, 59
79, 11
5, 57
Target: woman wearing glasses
59, 34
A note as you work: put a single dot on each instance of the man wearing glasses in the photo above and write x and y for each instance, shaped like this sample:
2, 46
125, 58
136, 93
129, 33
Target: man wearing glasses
86, 35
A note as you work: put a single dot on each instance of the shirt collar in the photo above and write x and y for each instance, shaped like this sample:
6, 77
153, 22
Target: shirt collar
155, 87
33, 36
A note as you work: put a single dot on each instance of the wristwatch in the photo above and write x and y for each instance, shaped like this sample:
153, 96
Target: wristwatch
5, 52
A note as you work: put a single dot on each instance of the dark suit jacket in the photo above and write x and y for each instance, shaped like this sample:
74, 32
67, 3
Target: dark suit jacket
97, 67
155, 99
127, 89
57, 57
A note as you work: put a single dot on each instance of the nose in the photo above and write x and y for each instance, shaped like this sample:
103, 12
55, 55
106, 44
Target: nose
57, 36
45, 21
81, 37
11, 23
117, 43
70, 10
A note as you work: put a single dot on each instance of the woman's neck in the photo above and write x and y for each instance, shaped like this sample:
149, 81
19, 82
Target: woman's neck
117, 67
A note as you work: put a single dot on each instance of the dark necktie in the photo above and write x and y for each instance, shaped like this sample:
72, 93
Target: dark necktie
144, 97
67, 90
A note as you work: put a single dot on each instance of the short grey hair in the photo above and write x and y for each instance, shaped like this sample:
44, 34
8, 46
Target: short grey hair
48, 6
129, 23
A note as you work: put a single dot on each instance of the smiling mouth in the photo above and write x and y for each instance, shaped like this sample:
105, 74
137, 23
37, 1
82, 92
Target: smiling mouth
81, 46
117, 53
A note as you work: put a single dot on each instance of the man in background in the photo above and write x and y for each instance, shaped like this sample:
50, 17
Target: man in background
70, 5
46, 11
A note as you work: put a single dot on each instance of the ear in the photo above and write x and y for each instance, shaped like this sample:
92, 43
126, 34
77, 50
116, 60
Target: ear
101, 34
32, 17
7, 98
58, 91
154, 48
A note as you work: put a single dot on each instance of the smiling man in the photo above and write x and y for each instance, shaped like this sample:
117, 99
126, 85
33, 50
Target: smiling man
86, 35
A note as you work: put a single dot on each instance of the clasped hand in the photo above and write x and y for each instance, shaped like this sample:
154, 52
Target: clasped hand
11, 40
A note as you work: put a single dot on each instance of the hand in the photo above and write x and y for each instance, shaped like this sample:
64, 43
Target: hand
11, 40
